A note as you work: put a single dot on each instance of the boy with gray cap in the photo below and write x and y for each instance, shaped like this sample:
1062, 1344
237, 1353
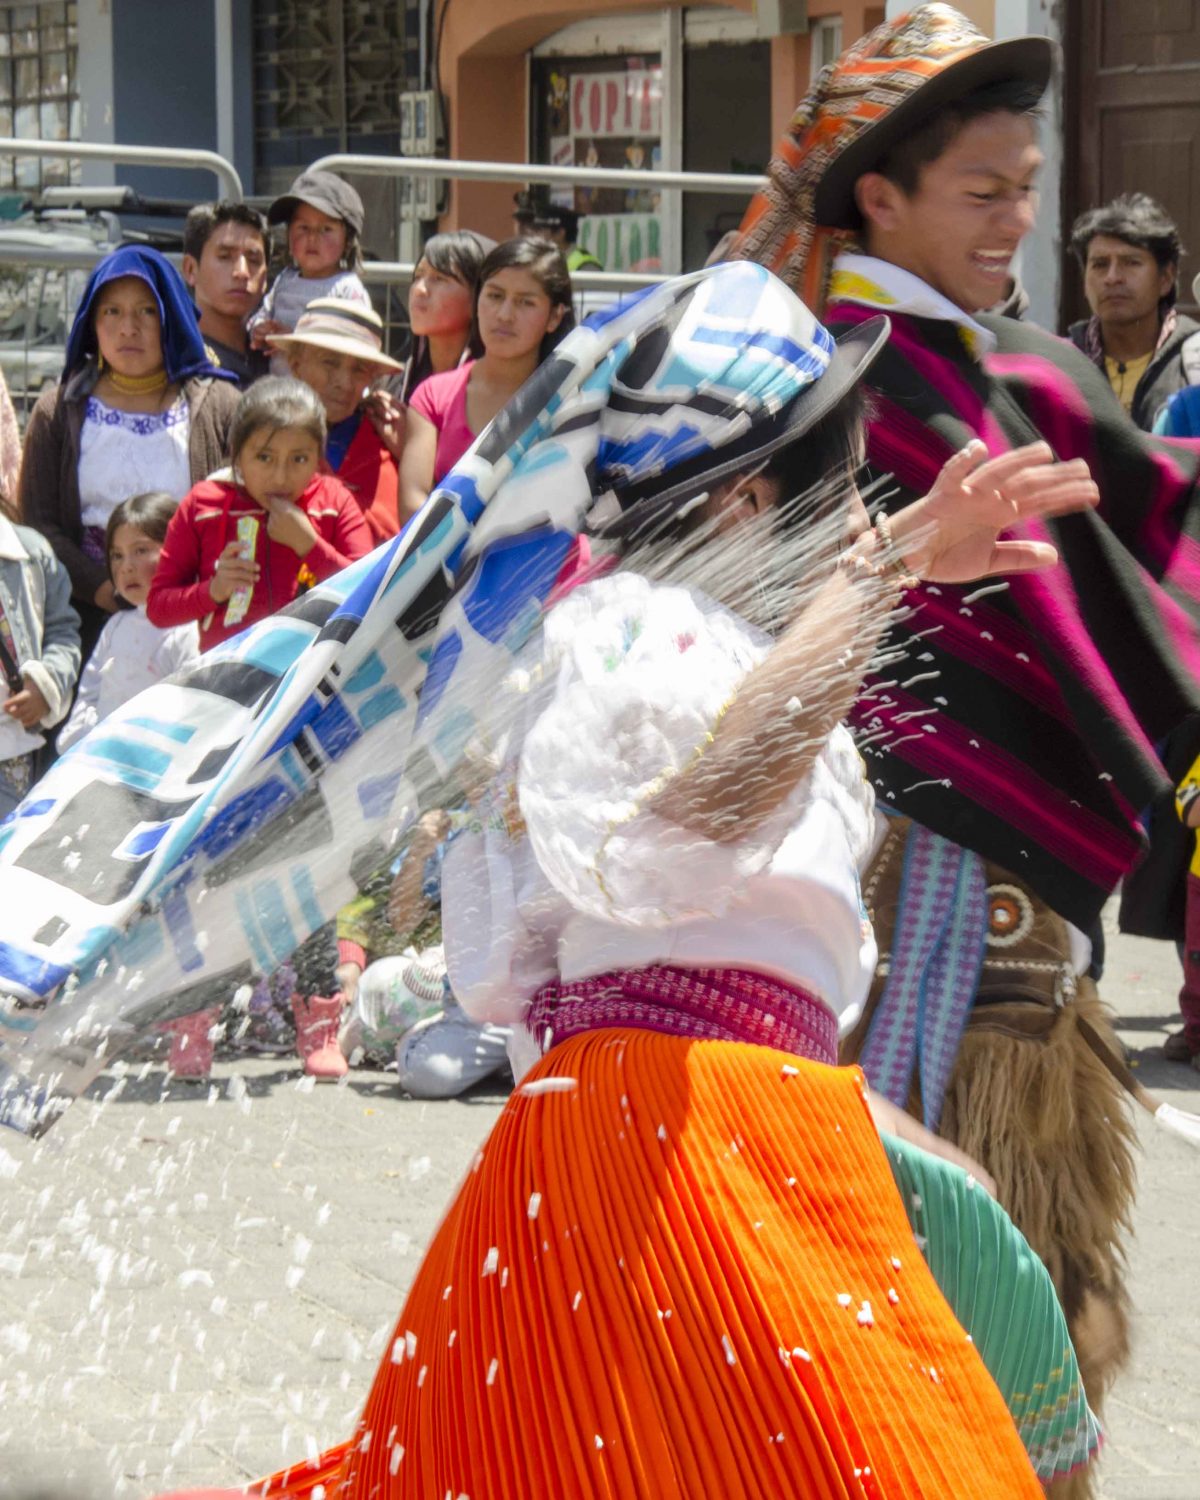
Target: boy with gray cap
324, 216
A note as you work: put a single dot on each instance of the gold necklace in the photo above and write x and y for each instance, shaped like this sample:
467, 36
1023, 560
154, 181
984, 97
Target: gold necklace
137, 385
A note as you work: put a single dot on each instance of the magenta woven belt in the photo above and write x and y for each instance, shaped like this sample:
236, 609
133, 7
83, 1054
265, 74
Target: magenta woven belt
731, 1005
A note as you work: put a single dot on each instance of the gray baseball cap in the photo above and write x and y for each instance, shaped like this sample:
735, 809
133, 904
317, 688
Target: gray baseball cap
325, 192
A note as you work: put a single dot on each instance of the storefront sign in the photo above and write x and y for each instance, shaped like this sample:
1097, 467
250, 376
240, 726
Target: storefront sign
623, 242
614, 104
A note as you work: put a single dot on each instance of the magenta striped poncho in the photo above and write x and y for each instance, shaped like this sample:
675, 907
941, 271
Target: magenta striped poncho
1023, 723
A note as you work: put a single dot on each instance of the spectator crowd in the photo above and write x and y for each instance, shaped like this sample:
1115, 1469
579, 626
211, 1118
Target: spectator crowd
219, 441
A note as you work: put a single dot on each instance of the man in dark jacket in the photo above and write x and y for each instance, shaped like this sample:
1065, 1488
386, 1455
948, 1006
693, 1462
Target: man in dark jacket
1129, 253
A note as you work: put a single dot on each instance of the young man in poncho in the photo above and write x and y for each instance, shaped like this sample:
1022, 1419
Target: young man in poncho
1017, 744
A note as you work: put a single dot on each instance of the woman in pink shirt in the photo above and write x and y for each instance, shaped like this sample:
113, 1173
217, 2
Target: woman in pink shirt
522, 310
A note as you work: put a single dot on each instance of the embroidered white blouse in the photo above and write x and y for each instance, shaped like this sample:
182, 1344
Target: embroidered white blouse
567, 871
125, 453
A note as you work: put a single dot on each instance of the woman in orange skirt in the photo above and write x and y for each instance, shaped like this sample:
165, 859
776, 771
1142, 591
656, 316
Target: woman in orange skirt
681, 1265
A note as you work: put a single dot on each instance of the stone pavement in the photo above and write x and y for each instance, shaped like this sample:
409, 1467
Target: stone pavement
195, 1285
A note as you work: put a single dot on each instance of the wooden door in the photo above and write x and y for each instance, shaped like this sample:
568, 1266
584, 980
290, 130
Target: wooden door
1132, 119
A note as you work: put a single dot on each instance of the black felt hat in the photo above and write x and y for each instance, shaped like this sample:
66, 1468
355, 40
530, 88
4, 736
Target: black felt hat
645, 504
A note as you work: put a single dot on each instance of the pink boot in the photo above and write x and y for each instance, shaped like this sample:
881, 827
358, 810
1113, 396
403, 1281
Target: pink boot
317, 1021
191, 1046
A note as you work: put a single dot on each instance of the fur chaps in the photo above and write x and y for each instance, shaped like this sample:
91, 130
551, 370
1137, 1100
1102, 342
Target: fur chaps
1029, 1098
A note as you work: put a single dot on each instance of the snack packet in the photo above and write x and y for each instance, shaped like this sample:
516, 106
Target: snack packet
239, 601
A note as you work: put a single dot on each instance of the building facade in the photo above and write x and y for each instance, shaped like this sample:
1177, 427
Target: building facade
273, 84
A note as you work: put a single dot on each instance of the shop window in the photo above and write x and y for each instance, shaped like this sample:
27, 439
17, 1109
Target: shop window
825, 41
604, 112
39, 95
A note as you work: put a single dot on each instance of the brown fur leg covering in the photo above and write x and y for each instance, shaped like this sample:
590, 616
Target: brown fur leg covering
1055, 1129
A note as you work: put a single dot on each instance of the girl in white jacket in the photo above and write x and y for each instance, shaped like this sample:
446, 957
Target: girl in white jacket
131, 653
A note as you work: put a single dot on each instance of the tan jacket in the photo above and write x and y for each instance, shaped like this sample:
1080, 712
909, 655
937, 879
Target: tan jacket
49, 488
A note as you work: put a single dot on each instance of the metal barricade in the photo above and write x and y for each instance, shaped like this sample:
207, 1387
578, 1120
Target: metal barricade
528, 171
30, 365
28, 368
141, 156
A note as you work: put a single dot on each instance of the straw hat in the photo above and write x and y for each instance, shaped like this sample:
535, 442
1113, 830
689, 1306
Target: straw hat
344, 327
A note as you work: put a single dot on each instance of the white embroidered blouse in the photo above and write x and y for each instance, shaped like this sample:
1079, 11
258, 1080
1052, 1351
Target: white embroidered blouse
125, 453
567, 871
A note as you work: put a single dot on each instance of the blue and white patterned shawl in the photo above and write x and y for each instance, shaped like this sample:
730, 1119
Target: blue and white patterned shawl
202, 832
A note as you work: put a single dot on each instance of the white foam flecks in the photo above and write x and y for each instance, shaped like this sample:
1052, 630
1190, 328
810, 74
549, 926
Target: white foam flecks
549, 1086
843, 1299
727, 1345
493, 1371
491, 1262
535, 1205
239, 1093
195, 1277
866, 1318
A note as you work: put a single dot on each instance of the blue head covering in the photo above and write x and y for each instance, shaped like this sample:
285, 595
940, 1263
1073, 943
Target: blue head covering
184, 353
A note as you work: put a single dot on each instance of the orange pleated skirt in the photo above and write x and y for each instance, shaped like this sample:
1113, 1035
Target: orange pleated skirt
677, 1269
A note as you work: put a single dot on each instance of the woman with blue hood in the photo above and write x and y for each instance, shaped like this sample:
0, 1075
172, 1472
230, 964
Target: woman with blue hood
141, 406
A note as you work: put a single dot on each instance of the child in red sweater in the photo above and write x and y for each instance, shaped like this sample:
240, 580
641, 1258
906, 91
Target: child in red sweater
236, 548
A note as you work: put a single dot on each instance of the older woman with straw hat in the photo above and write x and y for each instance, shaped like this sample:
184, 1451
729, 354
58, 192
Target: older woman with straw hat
336, 348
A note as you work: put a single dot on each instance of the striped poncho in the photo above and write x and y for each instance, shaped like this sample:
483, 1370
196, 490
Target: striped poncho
1024, 721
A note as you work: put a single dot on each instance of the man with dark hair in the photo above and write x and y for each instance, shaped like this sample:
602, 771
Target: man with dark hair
1129, 253
225, 264
526, 205
1015, 741
561, 227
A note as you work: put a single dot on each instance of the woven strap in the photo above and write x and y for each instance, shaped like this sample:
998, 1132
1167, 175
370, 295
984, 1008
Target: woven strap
937, 952
732, 1005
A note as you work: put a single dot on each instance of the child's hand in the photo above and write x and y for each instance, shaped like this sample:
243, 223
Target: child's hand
28, 707
106, 597
287, 523
347, 976
263, 330
233, 572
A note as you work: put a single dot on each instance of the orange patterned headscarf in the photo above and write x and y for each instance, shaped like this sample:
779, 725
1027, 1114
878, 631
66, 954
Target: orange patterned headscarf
861, 88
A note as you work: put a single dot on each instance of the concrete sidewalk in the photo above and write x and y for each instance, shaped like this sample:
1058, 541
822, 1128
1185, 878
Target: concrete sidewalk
196, 1284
